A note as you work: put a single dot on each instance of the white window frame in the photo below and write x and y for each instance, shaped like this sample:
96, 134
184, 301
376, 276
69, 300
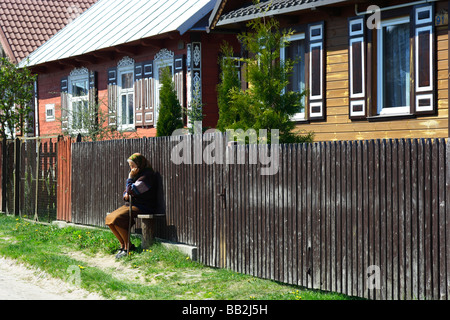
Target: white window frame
380, 108
50, 116
299, 116
120, 71
77, 75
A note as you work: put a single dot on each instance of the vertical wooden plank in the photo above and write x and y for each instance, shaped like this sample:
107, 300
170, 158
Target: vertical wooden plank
435, 219
388, 220
370, 204
447, 215
394, 217
333, 216
328, 217
427, 221
339, 284
306, 219
316, 217
290, 207
408, 221
383, 206
354, 231
278, 226
442, 220
361, 191
349, 214
421, 219
311, 213
344, 215
249, 214
270, 218
415, 218
401, 220
294, 216
377, 212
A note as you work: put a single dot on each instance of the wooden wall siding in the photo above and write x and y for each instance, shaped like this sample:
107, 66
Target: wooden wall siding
338, 126
332, 210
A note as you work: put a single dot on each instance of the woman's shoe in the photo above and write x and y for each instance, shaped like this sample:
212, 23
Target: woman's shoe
121, 254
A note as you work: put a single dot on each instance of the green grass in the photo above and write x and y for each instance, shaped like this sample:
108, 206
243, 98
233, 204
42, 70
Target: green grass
156, 273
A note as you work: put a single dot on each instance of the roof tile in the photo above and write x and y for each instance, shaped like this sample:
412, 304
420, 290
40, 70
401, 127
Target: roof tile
28, 24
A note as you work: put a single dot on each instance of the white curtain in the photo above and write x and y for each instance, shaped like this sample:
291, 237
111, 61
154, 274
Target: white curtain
396, 66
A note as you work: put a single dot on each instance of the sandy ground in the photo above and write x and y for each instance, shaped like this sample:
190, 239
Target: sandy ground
17, 282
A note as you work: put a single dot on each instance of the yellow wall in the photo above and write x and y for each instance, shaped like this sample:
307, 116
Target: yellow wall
338, 126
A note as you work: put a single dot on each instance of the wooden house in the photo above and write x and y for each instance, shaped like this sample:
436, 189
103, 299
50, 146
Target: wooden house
111, 56
372, 70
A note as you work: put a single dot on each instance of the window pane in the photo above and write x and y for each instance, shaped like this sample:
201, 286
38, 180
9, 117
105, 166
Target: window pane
124, 109
84, 113
76, 114
130, 108
127, 80
396, 66
296, 51
79, 88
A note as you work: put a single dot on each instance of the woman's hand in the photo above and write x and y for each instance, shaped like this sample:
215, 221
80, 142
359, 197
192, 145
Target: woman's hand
126, 197
133, 173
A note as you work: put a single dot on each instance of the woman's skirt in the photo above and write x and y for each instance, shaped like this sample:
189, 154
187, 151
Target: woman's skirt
120, 216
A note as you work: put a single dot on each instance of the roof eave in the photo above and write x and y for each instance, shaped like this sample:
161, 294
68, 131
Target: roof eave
279, 11
215, 14
189, 23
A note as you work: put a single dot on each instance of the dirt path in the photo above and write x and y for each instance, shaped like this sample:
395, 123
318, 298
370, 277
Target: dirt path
17, 282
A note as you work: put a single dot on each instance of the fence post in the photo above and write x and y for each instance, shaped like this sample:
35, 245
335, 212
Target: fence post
17, 149
38, 163
447, 217
4, 172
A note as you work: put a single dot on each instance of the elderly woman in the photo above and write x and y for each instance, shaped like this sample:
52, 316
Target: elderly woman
141, 185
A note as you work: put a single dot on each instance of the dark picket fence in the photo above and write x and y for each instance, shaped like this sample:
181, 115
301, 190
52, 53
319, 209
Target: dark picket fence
364, 218
29, 177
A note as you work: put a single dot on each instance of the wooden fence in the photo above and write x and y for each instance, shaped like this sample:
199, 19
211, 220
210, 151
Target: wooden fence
29, 177
364, 218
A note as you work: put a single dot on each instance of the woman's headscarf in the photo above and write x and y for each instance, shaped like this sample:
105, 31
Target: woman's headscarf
140, 161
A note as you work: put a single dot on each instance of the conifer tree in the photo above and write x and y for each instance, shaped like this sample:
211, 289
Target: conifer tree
265, 104
170, 116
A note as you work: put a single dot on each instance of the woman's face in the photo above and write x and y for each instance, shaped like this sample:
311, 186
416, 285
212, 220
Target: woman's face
132, 164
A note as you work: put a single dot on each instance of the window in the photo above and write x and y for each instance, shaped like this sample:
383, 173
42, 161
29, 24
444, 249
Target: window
296, 52
397, 61
394, 67
79, 97
307, 49
126, 97
78, 92
50, 112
